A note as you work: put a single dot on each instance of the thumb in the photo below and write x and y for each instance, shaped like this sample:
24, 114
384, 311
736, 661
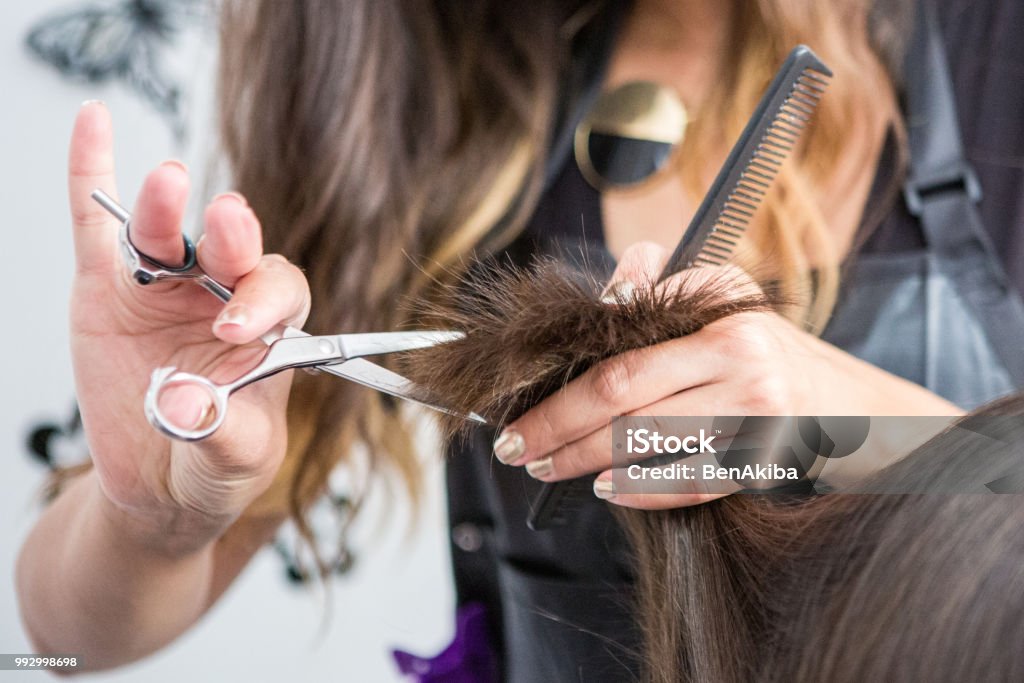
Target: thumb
639, 266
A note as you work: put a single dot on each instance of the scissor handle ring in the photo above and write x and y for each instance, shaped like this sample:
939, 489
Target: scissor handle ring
166, 378
190, 253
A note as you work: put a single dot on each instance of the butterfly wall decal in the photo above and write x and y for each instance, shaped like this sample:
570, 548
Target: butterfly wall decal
123, 41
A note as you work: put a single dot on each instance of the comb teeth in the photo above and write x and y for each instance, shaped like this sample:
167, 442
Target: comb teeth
775, 145
768, 139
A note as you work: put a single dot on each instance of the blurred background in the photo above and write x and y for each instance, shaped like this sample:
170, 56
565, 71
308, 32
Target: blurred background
153, 63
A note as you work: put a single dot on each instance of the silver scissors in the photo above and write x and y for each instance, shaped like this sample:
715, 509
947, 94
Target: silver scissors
339, 354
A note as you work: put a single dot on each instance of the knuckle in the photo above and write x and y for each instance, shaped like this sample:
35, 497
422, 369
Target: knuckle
766, 395
613, 380
639, 259
641, 251
738, 337
546, 428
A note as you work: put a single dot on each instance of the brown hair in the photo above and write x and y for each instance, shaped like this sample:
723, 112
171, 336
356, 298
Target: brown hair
844, 587
376, 139
531, 330
369, 137
767, 587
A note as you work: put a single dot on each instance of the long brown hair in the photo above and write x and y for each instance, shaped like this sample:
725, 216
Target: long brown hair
845, 587
375, 141
768, 587
381, 141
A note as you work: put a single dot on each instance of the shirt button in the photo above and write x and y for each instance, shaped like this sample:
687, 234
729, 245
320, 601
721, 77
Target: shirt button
467, 537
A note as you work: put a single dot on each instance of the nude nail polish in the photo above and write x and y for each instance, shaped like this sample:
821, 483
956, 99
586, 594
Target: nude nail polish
234, 314
619, 293
604, 489
509, 446
541, 468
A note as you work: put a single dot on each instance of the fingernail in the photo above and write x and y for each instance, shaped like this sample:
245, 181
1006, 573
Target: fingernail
540, 468
232, 195
176, 164
235, 314
509, 447
203, 417
604, 489
89, 103
619, 293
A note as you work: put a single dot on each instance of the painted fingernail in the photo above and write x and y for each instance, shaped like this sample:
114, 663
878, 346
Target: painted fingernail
233, 196
509, 447
89, 103
604, 489
540, 468
176, 164
235, 314
619, 293
203, 417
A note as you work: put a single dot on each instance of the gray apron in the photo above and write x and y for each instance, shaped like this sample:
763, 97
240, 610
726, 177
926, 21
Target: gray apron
945, 317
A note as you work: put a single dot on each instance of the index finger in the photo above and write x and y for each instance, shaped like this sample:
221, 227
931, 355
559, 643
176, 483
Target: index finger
611, 388
91, 166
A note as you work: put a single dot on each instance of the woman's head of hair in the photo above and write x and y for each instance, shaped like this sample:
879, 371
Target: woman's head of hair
380, 142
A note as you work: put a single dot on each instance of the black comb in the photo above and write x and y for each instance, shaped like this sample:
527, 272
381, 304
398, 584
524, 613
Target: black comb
721, 219
772, 132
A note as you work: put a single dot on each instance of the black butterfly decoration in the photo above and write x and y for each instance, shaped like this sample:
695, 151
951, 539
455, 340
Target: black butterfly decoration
330, 519
58, 444
122, 41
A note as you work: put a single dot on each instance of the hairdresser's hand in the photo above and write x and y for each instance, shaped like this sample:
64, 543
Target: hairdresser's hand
177, 494
754, 363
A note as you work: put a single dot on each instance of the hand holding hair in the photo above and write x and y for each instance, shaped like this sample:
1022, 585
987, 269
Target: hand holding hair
559, 364
752, 587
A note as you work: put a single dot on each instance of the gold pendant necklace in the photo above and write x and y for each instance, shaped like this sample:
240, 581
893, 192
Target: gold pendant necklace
629, 135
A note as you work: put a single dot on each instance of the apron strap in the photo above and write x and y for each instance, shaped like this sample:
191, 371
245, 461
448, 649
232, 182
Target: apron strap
942, 191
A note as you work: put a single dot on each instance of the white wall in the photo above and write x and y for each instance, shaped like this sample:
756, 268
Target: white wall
264, 629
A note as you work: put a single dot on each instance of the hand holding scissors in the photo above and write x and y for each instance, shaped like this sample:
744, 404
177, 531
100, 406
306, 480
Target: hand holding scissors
341, 355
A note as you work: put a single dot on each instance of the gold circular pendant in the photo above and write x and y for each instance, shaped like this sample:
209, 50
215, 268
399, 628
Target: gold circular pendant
629, 135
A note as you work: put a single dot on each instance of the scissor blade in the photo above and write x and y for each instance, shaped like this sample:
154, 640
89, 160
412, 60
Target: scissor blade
362, 371
376, 343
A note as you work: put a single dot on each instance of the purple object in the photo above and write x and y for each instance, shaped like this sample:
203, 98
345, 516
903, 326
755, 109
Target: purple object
468, 659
